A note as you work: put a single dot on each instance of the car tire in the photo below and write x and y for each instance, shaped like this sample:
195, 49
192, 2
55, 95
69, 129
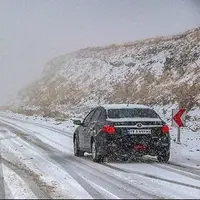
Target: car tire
77, 151
164, 157
95, 155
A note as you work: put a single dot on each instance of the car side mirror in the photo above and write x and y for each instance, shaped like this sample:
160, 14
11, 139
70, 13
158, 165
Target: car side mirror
78, 122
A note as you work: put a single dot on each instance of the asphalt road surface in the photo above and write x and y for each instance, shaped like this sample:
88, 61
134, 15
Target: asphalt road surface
41, 158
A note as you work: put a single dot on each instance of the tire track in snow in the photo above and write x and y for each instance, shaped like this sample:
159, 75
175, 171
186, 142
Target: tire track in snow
112, 184
96, 178
167, 180
53, 153
150, 191
61, 132
185, 167
171, 168
31, 179
96, 168
192, 172
57, 131
30, 134
29, 142
27, 135
71, 170
153, 176
49, 150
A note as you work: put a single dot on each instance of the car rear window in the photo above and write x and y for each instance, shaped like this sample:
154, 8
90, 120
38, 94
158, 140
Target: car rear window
132, 113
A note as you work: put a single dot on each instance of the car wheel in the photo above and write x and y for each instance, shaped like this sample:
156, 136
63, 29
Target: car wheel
95, 155
164, 158
77, 151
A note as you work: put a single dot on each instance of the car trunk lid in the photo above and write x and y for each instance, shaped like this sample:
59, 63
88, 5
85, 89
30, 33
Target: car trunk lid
137, 127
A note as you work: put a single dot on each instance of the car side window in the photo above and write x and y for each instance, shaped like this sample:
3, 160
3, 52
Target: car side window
102, 116
88, 118
96, 115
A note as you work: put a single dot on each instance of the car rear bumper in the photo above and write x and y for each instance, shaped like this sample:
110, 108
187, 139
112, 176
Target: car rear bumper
136, 146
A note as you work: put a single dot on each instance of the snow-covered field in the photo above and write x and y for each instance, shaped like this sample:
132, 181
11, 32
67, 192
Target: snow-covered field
37, 162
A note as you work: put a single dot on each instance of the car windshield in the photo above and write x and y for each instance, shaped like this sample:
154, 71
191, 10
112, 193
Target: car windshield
132, 113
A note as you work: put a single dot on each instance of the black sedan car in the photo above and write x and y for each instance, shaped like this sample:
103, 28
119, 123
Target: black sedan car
122, 129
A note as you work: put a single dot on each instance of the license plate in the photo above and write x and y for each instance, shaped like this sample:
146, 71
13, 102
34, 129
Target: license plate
139, 131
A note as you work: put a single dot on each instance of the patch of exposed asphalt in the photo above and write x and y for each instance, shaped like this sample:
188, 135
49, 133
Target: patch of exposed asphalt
182, 171
179, 169
153, 177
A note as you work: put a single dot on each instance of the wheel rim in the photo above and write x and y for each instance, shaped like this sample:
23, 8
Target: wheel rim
93, 150
75, 146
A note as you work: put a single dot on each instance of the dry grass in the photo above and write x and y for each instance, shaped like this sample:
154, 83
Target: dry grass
157, 90
187, 95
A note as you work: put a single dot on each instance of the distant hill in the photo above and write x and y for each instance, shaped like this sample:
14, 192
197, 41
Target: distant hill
157, 71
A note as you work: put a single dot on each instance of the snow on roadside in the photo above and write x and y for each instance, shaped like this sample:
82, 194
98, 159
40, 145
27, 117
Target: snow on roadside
50, 175
188, 152
19, 190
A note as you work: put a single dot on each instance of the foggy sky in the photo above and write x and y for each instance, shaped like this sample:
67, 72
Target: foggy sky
34, 31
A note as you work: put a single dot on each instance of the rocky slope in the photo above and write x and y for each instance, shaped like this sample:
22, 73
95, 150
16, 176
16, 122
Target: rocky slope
161, 71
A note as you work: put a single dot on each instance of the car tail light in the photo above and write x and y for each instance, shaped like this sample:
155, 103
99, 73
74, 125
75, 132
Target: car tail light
109, 129
165, 129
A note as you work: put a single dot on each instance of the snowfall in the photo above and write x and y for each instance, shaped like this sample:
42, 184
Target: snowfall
37, 161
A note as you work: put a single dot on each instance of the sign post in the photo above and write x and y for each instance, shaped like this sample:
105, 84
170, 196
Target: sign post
178, 120
179, 135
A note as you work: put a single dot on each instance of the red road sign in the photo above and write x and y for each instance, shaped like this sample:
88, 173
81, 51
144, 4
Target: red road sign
178, 117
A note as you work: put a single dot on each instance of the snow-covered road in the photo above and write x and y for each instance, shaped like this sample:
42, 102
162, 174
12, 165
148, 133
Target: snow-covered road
37, 162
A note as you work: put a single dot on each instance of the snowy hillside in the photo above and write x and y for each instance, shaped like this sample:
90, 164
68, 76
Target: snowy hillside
162, 71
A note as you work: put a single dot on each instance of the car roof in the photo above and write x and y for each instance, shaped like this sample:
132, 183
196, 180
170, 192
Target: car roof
121, 106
